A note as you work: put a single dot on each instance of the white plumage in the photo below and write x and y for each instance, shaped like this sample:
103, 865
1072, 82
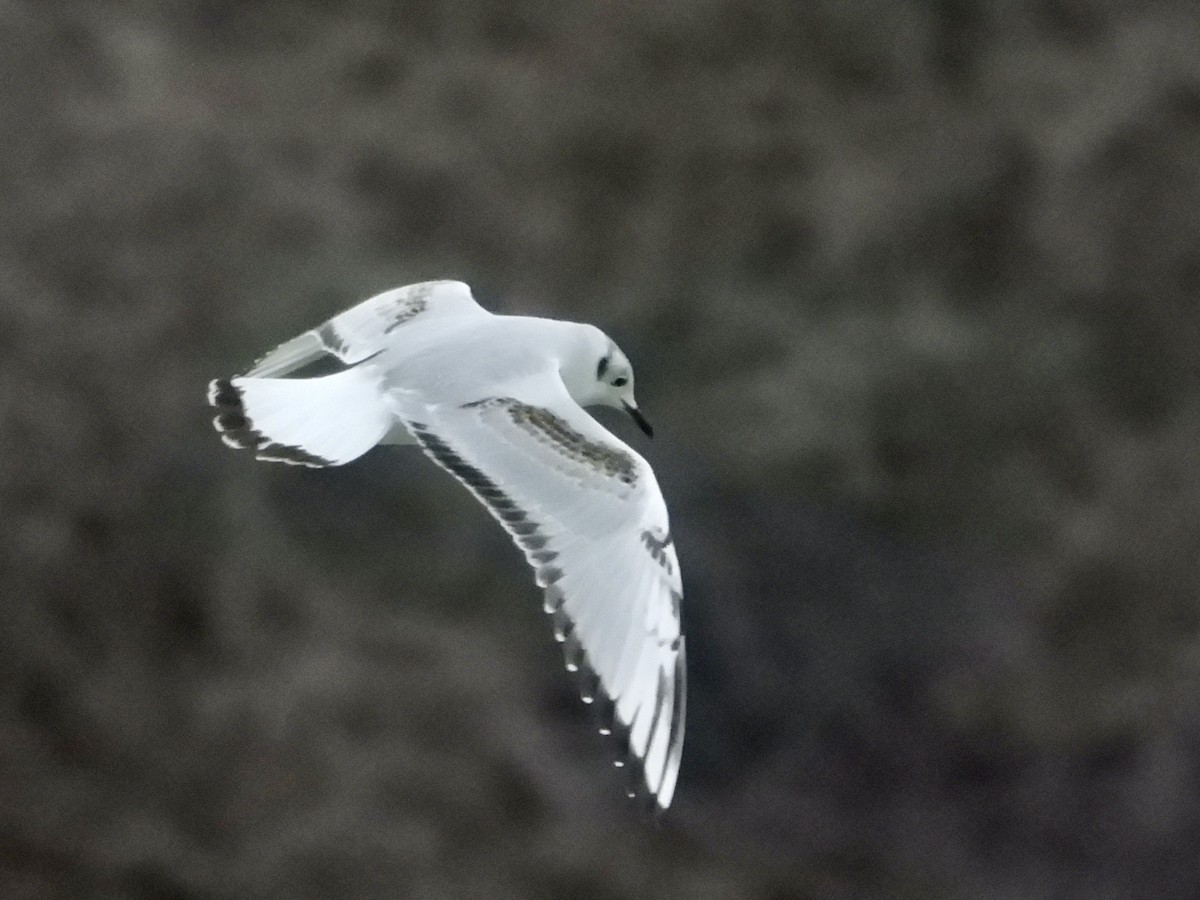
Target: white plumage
498, 402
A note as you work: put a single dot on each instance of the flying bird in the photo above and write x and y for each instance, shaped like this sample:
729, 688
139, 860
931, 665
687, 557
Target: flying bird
498, 402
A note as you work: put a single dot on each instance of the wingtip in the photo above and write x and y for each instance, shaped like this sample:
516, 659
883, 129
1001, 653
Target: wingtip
222, 393
243, 404
231, 422
636, 783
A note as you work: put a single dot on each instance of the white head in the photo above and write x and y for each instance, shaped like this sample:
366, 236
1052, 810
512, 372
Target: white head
597, 373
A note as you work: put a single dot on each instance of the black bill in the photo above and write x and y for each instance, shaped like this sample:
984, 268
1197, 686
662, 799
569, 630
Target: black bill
636, 415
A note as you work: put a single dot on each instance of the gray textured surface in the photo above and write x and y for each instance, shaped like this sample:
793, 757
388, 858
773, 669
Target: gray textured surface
911, 290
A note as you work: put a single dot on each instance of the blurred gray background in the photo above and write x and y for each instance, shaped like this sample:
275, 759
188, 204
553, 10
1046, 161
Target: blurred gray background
911, 290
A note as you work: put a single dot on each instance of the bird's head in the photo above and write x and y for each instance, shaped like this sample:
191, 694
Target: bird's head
601, 375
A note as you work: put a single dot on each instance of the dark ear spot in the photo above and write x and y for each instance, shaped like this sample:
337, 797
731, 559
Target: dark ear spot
601, 368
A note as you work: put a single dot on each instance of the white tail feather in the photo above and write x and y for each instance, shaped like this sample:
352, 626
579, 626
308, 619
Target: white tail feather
323, 421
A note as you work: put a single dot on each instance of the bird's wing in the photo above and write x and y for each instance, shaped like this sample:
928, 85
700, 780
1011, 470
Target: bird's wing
587, 511
363, 330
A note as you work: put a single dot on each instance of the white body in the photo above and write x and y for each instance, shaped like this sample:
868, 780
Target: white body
497, 401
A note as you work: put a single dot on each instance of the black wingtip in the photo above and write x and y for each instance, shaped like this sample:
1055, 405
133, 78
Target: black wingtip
237, 429
231, 420
633, 773
223, 395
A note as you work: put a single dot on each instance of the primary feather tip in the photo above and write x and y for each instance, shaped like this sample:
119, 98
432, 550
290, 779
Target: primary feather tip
231, 420
238, 430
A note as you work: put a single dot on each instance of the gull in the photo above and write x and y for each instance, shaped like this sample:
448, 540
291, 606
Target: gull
498, 402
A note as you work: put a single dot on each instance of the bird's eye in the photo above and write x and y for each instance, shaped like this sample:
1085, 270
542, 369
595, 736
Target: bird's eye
620, 381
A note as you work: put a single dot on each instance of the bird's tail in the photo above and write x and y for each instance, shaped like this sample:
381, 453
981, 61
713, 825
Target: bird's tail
323, 421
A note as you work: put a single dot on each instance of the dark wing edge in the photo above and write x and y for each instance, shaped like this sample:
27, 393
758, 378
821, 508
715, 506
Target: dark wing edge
536, 545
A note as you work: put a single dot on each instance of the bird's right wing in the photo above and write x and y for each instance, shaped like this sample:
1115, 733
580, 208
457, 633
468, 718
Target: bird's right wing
588, 513
364, 330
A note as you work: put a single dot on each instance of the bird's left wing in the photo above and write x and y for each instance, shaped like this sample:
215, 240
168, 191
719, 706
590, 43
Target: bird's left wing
366, 329
587, 511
